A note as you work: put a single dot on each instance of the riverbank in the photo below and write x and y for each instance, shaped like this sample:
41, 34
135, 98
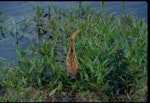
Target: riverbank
111, 51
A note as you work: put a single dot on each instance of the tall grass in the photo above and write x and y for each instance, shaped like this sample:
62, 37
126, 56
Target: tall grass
112, 54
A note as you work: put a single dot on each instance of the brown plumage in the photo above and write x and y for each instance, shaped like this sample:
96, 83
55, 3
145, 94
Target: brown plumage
71, 59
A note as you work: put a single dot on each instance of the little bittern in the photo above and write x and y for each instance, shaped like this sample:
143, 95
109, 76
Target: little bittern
71, 59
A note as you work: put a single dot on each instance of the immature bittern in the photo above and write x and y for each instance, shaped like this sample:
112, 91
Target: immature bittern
71, 59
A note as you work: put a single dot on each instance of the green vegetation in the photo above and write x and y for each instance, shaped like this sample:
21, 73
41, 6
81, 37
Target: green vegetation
112, 55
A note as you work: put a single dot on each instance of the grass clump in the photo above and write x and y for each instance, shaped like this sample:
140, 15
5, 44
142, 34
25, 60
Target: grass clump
112, 54
118, 77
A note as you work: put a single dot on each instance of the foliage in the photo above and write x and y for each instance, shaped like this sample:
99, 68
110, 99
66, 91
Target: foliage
111, 51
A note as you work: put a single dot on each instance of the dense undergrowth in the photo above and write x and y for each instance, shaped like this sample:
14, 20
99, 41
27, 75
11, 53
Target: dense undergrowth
111, 51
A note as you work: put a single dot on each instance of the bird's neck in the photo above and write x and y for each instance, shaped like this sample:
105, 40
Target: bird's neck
72, 39
72, 46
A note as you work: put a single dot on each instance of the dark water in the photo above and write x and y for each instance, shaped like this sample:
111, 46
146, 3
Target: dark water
17, 9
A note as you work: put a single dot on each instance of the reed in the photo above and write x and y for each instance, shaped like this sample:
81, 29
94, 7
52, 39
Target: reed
111, 53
